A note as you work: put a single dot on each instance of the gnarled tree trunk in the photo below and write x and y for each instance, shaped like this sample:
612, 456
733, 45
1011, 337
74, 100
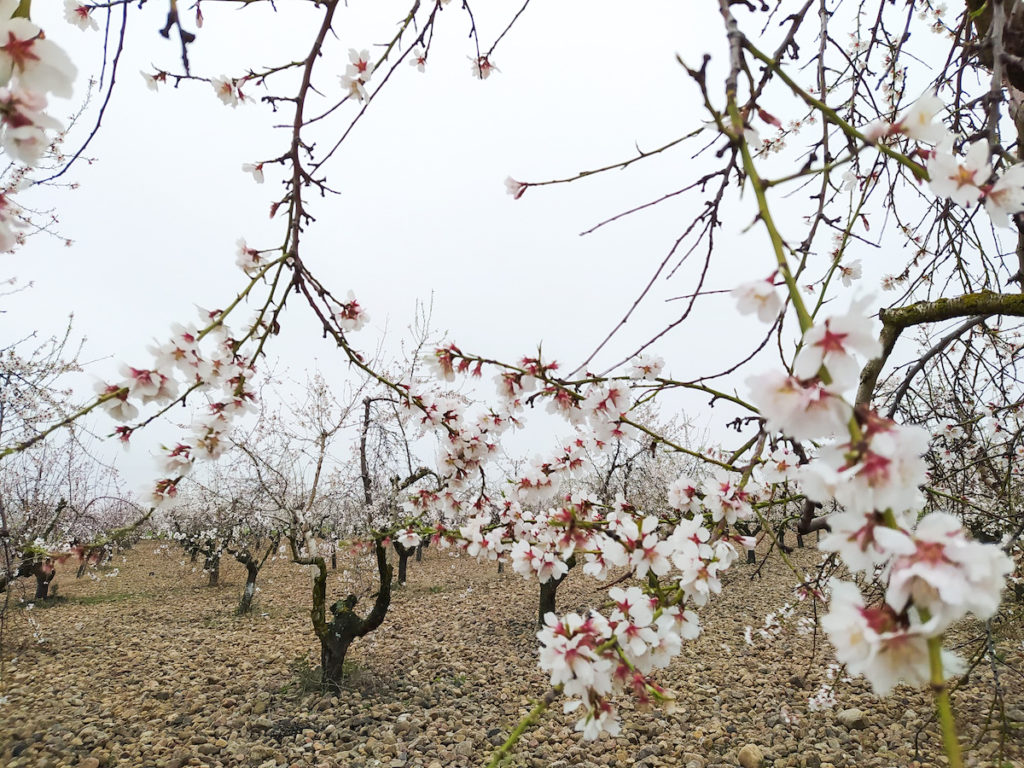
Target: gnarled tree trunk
346, 625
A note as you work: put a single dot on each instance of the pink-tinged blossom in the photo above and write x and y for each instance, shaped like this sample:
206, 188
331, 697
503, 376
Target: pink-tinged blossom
408, 538
883, 471
760, 297
689, 543
605, 407
153, 81
210, 440
631, 620
916, 123
645, 367
350, 316
562, 403
878, 643
568, 651
849, 272
649, 552
25, 124
226, 90
947, 573
531, 561
117, 406
609, 554
149, 385
515, 188
863, 540
725, 499
960, 181
779, 466
357, 74
359, 64
79, 14
602, 719
684, 494
482, 67
418, 59
805, 411
1006, 197
256, 169
832, 344
176, 461
38, 64
249, 260
163, 493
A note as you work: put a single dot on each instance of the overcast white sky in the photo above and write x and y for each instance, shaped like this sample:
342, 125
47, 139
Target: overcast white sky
423, 208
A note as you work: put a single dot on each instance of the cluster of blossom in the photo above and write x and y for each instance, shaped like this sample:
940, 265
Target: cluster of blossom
933, 572
208, 361
691, 547
964, 180
32, 68
357, 73
597, 657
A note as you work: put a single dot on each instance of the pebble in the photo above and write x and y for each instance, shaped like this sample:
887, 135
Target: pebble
750, 756
441, 685
853, 718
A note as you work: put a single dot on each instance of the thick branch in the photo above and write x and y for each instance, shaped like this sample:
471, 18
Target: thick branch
894, 321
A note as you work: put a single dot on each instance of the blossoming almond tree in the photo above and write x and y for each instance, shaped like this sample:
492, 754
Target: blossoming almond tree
931, 163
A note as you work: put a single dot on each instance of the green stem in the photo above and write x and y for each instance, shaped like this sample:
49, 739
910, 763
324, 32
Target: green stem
943, 707
531, 719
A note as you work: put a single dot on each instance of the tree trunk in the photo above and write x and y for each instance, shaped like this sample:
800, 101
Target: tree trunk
334, 560
346, 626
44, 576
213, 567
780, 537
547, 599
251, 572
800, 540
343, 629
332, 661
751, 557
419, 551
403, 560
501, 566
548, 590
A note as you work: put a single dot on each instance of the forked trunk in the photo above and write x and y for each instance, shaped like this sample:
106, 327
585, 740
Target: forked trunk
403, 560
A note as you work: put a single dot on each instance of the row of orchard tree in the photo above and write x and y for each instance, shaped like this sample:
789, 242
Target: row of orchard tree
890, 425
315, 471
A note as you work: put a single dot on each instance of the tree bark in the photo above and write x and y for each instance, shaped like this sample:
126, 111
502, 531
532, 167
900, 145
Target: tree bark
251, 572
212, 566
403, 560
44, 575
548, 590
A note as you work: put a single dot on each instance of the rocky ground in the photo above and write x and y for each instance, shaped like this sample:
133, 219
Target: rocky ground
143, 665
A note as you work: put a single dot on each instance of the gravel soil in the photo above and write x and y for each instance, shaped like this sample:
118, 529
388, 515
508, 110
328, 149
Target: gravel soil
142, 664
